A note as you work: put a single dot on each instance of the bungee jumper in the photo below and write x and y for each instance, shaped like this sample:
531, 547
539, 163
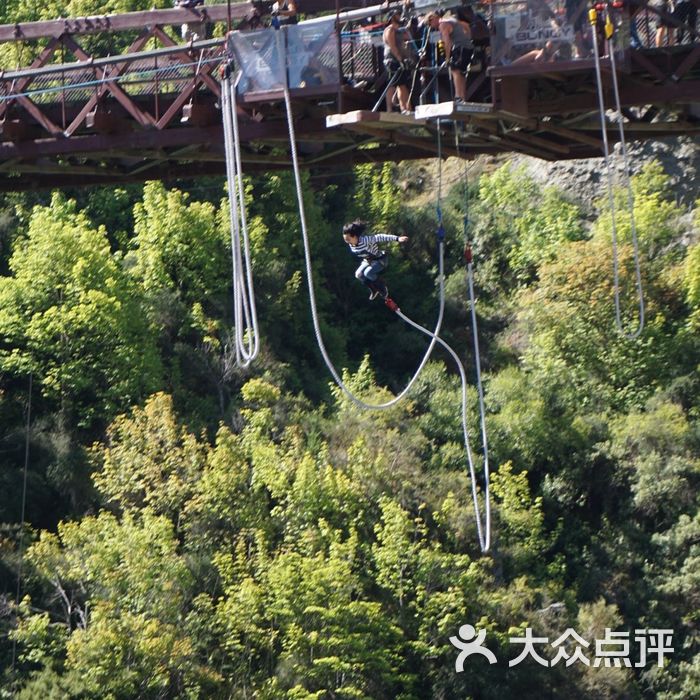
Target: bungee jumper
374, 261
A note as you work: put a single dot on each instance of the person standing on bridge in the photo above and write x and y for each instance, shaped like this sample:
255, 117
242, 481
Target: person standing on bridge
374, 260
284, 12
397, 60
456, 37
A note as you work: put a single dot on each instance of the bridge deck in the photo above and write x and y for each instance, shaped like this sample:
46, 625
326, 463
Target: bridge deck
73, 118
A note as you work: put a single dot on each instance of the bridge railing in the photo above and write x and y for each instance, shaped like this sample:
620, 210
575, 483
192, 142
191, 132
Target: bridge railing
150, 88
656, 24
160, 72
361, 52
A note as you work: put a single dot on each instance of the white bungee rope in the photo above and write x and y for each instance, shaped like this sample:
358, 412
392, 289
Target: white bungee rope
468, 257
245, 319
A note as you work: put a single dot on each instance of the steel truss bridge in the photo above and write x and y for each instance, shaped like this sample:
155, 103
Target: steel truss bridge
123, 98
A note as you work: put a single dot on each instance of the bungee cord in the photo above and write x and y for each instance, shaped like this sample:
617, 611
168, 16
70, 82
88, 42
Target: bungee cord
245, 319
422, 53
483, 530
609, 28
312, 295
468, 257
482, 406
309, 277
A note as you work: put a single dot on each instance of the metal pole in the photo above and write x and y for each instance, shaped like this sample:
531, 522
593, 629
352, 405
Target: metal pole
63, 87
339, 45
157, 104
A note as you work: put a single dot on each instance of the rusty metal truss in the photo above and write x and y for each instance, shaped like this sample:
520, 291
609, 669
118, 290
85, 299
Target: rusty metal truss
74, 117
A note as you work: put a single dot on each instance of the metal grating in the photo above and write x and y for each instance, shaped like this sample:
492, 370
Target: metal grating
147, 76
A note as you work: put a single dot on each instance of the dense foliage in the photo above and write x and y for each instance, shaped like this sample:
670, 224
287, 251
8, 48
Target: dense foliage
195, 530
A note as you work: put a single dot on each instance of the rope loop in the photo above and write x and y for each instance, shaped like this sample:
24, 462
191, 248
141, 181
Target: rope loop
245, 319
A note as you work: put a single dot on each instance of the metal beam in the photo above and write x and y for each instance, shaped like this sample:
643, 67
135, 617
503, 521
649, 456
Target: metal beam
170, 171
307, 129
426, 145
338, 151
570, 134
110, 85
23, 31
20, 86
548, 145
664, 128
689, 62
630, 96
60, 169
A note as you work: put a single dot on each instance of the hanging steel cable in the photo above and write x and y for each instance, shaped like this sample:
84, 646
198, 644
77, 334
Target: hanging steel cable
610, 33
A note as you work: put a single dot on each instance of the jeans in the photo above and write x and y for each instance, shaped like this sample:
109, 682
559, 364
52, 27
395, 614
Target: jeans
369, 270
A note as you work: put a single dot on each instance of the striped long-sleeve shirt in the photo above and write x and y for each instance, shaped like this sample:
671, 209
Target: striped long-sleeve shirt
367, 246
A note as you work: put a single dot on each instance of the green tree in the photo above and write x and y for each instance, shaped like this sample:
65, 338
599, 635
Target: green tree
377, 196
180, 250
150, 461
657, 446
519, 525
692, 276
71, 316
122, 590
570, 320
517, 226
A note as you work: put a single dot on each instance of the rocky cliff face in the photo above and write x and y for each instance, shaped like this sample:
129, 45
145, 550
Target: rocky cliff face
585, 179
